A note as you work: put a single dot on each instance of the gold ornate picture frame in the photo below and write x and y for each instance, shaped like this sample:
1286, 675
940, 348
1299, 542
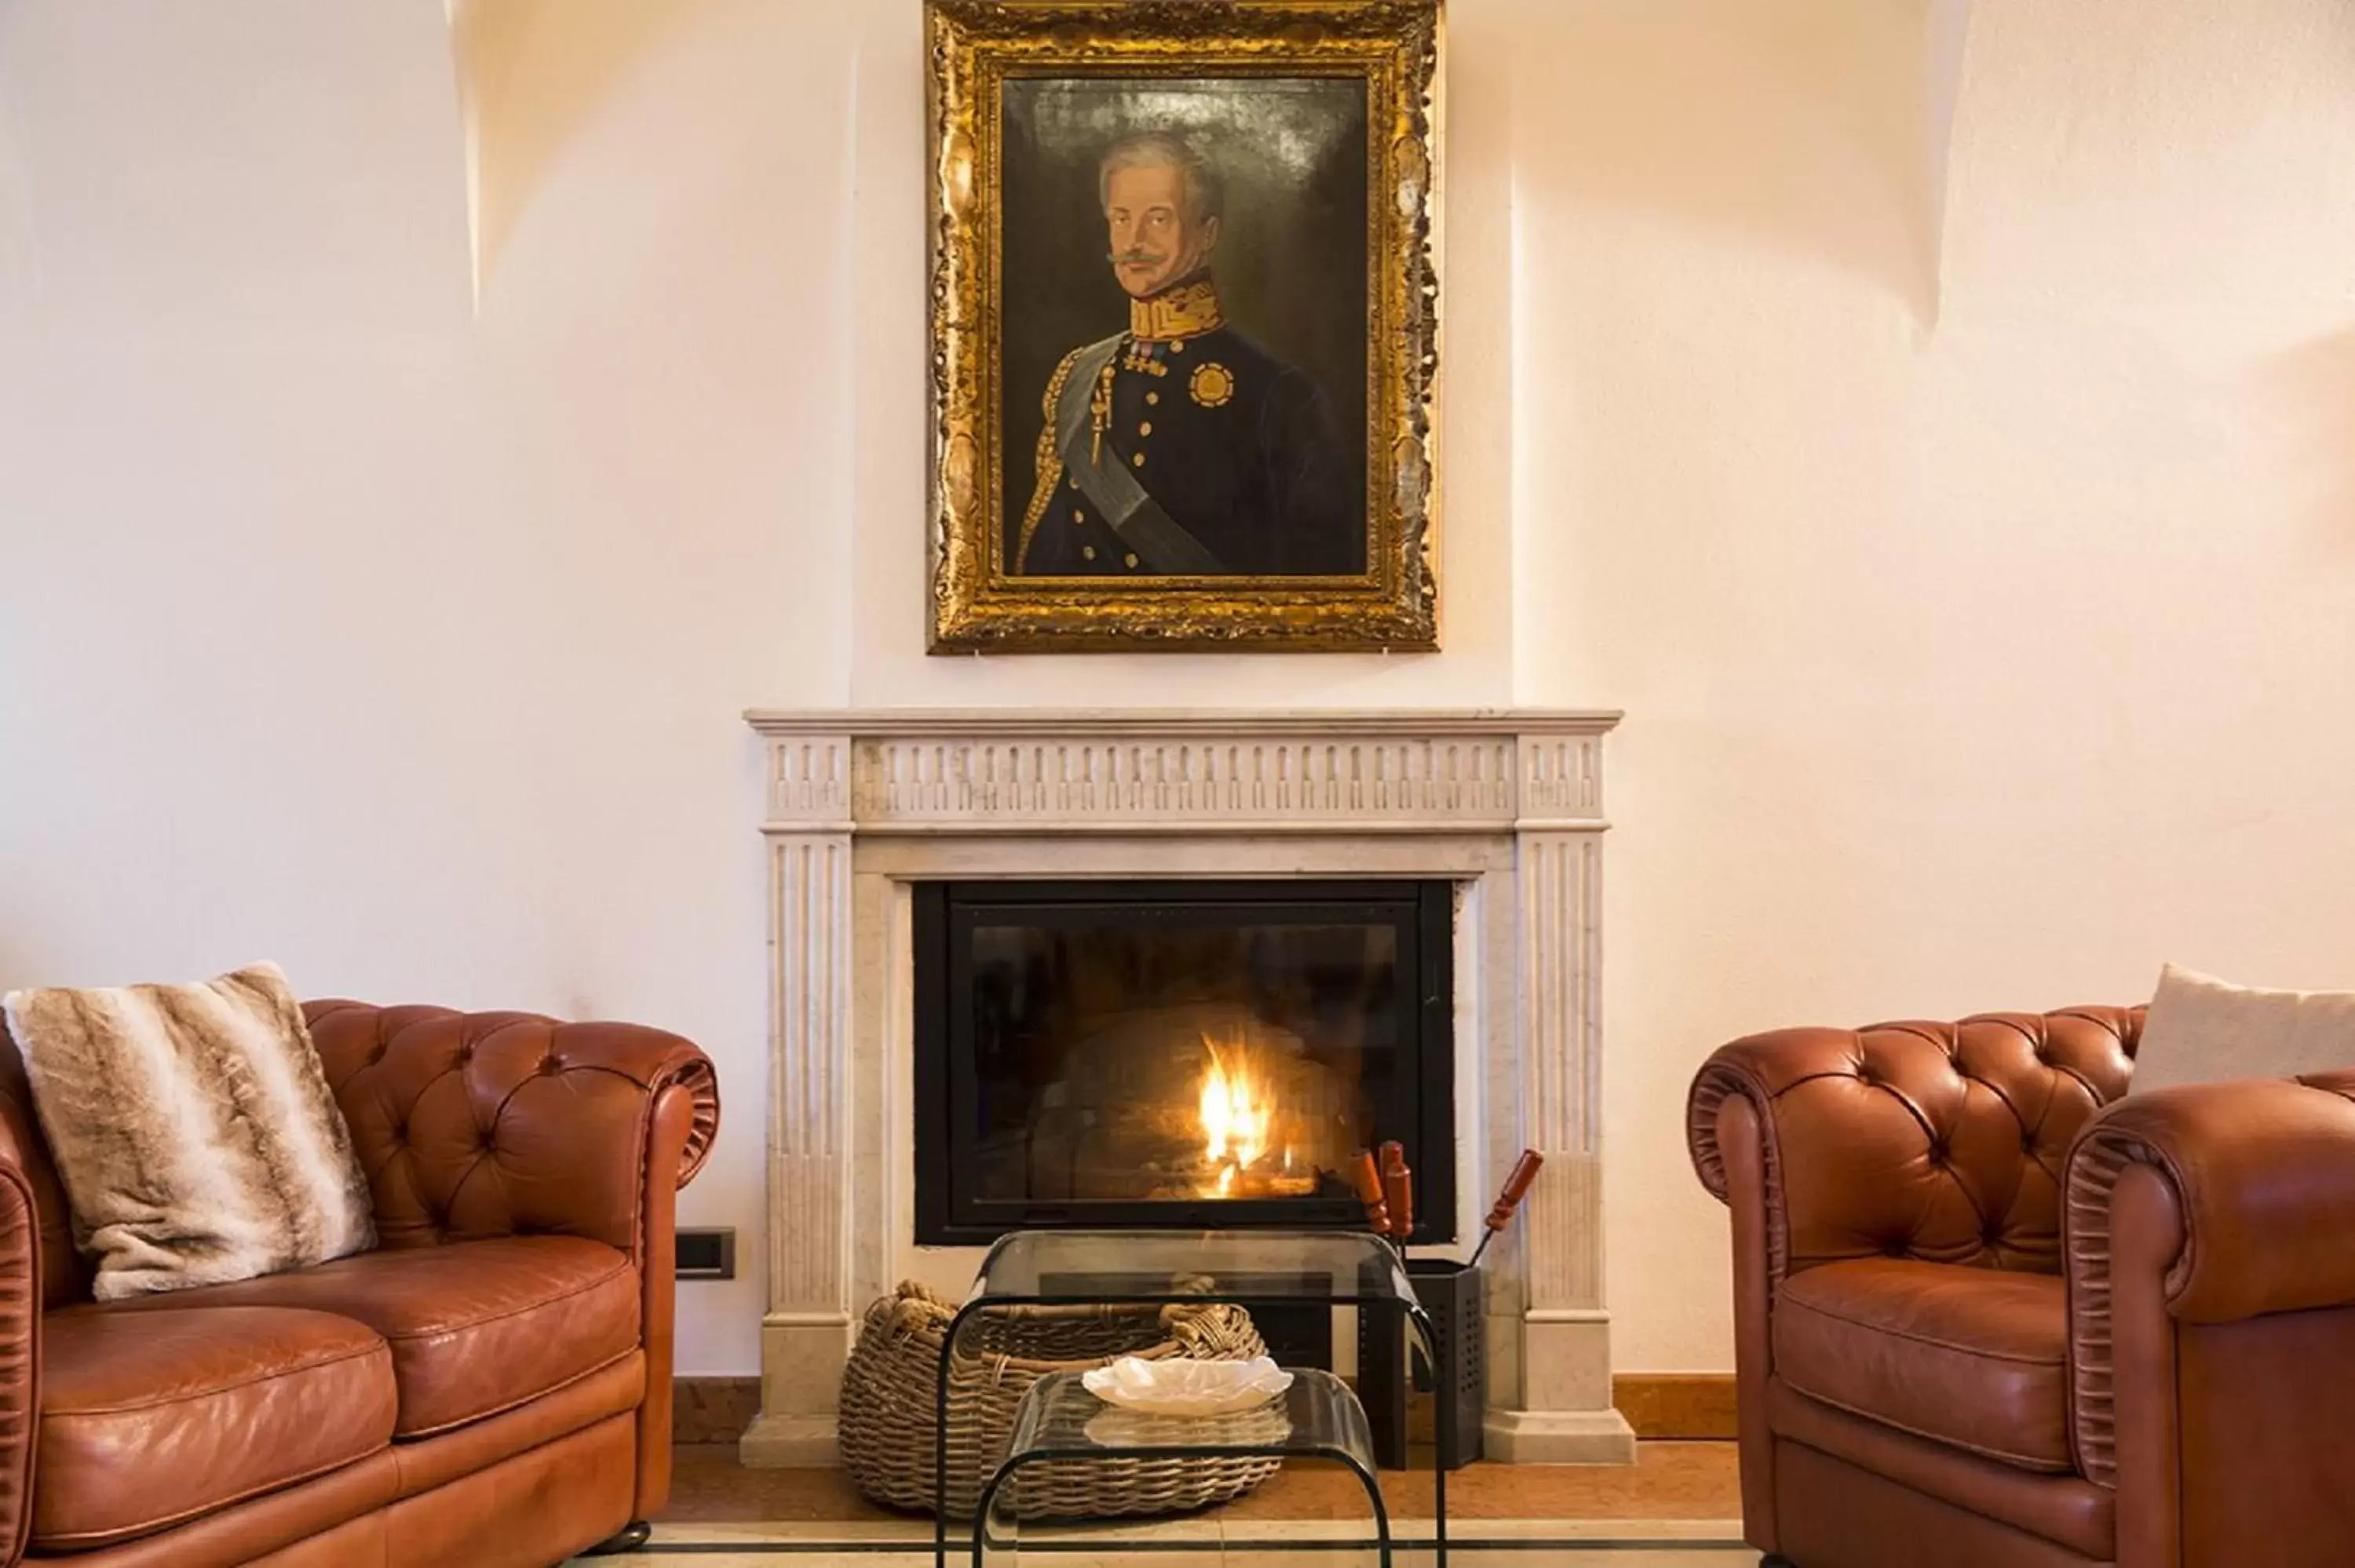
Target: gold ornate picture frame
1248, 188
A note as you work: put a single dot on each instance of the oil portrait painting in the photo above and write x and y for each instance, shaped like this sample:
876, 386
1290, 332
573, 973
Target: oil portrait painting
1184, 326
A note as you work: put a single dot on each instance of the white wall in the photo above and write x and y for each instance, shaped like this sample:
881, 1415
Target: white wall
1966, 521
406, 645
1986, 632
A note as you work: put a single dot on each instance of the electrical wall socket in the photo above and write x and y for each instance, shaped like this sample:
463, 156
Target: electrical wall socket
707, 1254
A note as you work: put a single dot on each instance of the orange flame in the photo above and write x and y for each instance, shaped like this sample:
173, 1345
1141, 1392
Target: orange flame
1236, 1114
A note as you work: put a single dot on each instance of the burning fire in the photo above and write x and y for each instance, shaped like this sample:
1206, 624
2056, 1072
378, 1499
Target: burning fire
1239, 1119
1234, 1115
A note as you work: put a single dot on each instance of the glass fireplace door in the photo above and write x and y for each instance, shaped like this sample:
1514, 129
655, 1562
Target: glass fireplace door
1178, 1054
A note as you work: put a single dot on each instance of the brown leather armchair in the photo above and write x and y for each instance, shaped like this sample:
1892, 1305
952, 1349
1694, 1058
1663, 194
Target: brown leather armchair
489, 1388
1990, 1315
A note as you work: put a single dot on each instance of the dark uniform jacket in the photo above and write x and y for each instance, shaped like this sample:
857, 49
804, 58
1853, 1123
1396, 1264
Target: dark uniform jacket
1239, 448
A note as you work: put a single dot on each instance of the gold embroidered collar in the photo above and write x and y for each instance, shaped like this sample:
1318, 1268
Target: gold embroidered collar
1188, 310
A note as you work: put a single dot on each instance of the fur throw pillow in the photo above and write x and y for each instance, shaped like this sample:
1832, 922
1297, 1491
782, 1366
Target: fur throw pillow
193, 1130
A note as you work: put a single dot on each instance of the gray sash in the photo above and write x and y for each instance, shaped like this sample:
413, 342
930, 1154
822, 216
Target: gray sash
1158, 538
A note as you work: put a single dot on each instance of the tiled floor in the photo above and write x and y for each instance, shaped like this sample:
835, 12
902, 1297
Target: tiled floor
1676, 1508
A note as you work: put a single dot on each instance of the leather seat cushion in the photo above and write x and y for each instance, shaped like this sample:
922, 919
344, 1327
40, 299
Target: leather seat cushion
149, 1419
1973, 1358
475, 1327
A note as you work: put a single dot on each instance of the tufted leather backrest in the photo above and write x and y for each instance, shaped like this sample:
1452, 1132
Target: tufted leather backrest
64, 1278
490, 1124
468, 1125
1939, 1141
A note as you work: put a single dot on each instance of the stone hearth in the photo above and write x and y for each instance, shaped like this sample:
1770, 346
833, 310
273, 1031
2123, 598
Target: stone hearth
1507, 805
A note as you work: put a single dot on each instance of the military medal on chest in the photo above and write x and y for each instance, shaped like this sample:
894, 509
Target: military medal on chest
1213, 385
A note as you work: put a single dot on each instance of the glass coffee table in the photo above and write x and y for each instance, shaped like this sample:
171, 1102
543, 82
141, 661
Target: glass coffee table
1059, 1420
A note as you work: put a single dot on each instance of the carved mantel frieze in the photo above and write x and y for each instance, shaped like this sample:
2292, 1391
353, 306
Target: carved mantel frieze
929, 772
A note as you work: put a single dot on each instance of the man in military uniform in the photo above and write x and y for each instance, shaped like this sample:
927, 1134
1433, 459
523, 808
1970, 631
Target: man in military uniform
1181, 447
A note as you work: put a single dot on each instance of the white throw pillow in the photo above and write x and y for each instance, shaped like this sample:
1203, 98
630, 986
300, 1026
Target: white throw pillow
2201, 1030
193, 1130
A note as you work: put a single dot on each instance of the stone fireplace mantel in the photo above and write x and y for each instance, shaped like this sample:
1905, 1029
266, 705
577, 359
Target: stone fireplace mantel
1507, 804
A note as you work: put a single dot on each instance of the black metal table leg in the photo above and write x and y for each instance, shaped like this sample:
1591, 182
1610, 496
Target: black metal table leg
1373, 1486
1427, 1329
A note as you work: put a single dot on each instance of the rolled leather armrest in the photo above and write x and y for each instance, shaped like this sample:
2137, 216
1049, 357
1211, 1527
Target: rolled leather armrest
1939, 1141
2263, 1173
20, 1354
488, 1124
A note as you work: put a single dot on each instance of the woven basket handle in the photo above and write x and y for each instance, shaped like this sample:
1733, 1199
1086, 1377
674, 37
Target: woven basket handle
1214, 1328
907, 1311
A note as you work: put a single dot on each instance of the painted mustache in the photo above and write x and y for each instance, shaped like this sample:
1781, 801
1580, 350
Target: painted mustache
1137, 259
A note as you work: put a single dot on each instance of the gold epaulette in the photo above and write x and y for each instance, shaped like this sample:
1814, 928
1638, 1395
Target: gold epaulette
1051, 462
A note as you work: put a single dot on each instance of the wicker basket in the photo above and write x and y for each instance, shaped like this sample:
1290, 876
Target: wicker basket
886, 1423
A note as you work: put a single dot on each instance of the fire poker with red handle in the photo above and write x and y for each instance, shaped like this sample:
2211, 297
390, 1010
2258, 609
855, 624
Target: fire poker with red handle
1508, 1201
1369, 1182
1398, 1189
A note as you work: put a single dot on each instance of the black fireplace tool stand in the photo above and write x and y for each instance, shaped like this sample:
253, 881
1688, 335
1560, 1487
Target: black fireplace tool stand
1451, 1295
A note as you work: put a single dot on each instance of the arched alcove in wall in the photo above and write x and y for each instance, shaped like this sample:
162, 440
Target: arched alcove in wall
531, 73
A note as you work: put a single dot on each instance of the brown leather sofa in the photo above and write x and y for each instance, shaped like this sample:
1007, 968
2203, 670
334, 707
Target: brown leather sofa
1989, 1314
490, 1387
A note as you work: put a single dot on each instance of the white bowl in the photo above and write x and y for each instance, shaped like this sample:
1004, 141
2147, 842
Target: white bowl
1179, 1387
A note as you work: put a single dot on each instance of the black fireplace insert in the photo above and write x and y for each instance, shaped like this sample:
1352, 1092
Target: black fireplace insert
1179, 1054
